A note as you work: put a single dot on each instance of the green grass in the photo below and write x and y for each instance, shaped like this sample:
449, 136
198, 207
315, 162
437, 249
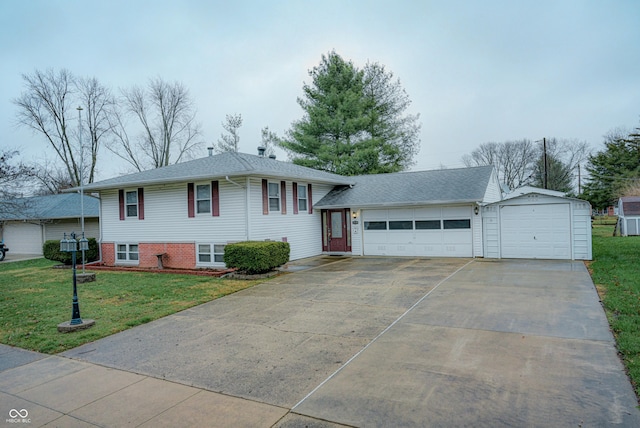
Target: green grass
616, 272
35, 298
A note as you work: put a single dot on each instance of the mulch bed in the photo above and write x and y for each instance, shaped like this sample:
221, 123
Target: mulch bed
200, 272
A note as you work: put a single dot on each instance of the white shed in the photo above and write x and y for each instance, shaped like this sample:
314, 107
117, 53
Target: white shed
537, 225
629, 215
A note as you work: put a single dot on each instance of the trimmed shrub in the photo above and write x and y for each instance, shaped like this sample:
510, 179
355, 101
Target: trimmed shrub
254, 257
51, 251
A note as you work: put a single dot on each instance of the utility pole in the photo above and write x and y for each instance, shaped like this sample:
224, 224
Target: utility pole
579, 190
544, 151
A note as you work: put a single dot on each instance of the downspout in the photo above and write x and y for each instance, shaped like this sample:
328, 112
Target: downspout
248, 209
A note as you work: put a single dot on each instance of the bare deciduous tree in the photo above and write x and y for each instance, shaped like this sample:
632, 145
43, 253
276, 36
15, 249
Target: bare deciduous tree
167, 117
48, 106
269, 140
518, 163
513, 160
229, 142
13, 177
98, 102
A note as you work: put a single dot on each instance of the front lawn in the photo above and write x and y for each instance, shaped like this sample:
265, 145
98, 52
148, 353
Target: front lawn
616, 273
35, 298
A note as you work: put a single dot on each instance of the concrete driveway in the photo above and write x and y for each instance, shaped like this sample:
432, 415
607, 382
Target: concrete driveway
397, 342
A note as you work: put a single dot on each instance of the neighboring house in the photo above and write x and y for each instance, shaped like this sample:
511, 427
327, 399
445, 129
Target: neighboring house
26, 223
186, 213
629, 215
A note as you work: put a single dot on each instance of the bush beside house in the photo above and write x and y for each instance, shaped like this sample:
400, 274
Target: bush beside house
255, 257
51, 251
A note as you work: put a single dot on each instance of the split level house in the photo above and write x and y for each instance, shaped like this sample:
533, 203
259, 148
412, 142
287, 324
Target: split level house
186, 213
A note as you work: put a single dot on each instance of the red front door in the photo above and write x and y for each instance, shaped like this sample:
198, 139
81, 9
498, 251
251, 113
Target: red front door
337, 230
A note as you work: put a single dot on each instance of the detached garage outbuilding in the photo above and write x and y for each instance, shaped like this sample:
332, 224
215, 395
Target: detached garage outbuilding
537, 225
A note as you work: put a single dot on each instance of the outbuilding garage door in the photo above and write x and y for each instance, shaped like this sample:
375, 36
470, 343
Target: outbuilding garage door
535, 231
23, 238
428, 231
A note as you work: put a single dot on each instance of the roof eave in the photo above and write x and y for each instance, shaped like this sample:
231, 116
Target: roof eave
91, 188
400, 204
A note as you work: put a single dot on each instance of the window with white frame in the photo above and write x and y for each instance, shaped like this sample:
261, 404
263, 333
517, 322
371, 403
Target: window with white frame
127, 253
302, 198
203, 198
210, 253
131, 201
274, 196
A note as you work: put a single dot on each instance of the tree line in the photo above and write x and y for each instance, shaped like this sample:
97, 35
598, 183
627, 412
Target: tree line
355, 121
549, 163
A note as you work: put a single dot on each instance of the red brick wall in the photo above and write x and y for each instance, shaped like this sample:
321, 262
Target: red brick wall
176, 255
108, 253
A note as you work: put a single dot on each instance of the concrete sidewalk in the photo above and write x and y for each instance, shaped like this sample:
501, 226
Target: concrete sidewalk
60, 392
357, 342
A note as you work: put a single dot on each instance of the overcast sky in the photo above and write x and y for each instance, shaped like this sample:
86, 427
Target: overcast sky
476, 71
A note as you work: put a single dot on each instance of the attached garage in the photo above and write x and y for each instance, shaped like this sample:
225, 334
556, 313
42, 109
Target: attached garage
426, 231
23, 237
538, 226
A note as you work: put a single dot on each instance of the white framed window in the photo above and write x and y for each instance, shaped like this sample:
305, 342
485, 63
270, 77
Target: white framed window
131, 202
274, 197
302, 197
127, 253
203, 198
210, 254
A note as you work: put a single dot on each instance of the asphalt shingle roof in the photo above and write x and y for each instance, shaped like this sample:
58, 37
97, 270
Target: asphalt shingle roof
411, 188
61, 206
230, 164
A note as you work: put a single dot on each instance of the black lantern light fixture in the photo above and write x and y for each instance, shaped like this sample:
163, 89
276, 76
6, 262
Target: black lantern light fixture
70, 245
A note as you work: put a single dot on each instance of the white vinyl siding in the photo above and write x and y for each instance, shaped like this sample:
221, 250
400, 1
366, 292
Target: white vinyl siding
303, 231
166, 218
57, 228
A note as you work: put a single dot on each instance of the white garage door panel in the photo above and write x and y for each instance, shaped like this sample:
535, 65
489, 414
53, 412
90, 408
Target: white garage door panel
536, 231
421, 242
23, 238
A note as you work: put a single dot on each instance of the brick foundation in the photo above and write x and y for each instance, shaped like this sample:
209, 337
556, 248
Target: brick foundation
108, 253
175, 255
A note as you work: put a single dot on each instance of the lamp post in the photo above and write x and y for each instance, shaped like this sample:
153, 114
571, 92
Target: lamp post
81, 182
71, 246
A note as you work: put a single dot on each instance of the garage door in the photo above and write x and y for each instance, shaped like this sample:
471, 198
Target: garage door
23, 238
535, 231
428, 231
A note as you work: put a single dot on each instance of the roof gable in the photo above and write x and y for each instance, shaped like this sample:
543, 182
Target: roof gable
462, 185
231, 164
